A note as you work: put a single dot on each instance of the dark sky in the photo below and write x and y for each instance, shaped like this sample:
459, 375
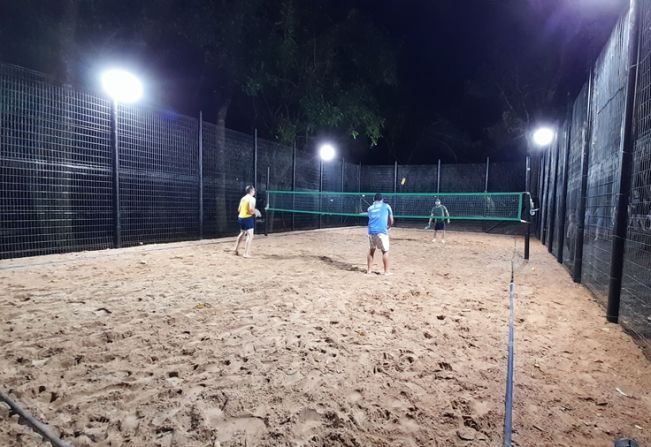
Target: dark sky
451, 52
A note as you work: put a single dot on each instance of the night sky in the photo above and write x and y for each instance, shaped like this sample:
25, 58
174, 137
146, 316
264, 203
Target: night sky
459, 63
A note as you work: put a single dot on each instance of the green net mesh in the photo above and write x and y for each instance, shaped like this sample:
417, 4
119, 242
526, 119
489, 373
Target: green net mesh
460, 206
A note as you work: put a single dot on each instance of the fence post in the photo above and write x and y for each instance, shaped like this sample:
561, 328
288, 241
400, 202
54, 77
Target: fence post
255, 158
359, 177
293, 185
563, 204
343, 173
626, 163
527, 187
320, 188
487, 167
546, 209
117, 216
269, 220
552, 196
539, 194
585, 160
200, 175
438, 176
543, 196
395, 177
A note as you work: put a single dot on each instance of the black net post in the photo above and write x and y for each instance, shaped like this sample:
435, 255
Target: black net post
580, 212
200, 175
626, 163
117, 217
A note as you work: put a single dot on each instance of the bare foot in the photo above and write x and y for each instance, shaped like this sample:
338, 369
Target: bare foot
247, 256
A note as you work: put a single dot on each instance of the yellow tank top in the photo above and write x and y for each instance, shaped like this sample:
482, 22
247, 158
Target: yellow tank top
245, 209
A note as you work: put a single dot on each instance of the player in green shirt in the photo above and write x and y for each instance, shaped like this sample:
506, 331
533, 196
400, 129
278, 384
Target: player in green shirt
439, 215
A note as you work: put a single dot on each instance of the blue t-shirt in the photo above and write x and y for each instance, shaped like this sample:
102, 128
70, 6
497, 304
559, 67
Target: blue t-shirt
378, 218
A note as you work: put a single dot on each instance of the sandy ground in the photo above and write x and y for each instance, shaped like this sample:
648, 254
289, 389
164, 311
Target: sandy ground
188, 345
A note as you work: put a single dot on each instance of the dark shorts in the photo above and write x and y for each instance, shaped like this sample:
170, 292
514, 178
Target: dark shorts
440, 225
246, 223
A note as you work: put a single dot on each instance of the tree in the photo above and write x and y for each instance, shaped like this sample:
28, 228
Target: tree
321, 69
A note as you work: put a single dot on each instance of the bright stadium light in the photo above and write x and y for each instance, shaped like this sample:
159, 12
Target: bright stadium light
122, 86
543, 136
327, 152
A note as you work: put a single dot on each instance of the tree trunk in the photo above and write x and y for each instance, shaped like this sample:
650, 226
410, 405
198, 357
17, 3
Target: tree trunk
222, 170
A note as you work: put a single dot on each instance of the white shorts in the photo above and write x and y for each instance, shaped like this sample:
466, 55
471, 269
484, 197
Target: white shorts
380, 241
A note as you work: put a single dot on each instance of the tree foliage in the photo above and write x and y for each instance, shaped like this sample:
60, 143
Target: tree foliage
301, 67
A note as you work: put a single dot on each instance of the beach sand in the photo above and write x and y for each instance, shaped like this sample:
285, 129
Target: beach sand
188, 345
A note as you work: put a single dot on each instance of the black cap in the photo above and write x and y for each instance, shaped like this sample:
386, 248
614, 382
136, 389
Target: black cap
378, 197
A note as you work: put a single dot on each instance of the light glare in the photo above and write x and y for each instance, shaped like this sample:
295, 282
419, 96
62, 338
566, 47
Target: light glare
543, 136
327, 152
122, 86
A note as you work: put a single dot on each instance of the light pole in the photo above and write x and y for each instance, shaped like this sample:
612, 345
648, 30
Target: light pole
326, 153
123, 87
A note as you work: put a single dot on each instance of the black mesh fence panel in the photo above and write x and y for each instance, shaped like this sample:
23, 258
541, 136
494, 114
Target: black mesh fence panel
610, 77
332, 181
159, 181
352, 183
210, 180
417, 178
559, 199
227, 170
635, 308
506, 176
578, 130
378, 178
233, 174
275, 160
352, 177
307, 179
470, 177
55, 167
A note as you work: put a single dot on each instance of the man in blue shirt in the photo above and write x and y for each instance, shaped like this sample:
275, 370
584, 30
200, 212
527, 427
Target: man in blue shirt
380, 219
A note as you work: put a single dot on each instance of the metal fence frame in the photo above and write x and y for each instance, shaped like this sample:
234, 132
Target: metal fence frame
607, 191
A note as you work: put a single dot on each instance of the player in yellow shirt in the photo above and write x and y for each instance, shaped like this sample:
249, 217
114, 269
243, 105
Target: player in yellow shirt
247, 212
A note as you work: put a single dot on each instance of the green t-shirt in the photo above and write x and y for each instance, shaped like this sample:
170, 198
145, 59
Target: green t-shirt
439, 213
